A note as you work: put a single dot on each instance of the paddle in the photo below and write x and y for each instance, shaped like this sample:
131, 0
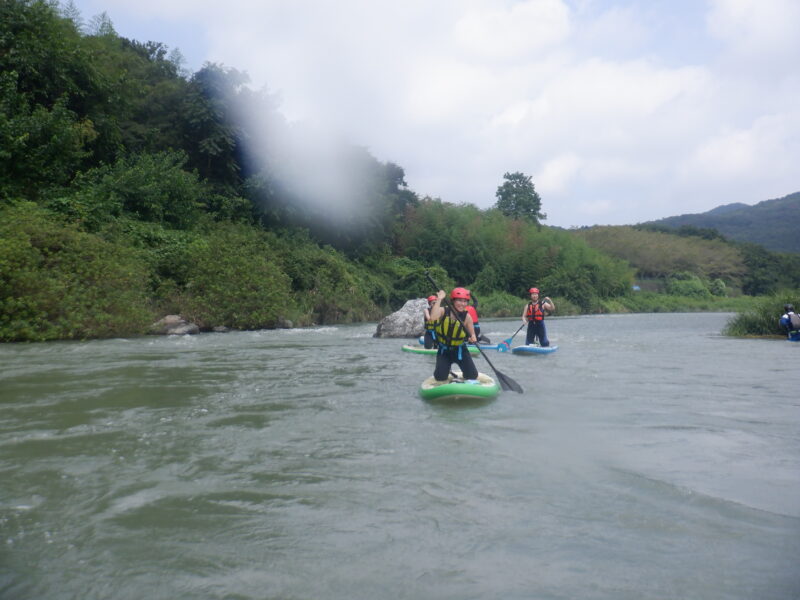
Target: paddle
506, 383
507, 343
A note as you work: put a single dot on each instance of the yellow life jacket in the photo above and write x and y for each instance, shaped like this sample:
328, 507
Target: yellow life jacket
430, 324
449, 331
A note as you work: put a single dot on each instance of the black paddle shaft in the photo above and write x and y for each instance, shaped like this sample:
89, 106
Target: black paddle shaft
506, 383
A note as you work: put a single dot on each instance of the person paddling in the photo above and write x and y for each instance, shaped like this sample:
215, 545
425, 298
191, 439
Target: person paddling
430, 325
454, 328
534, 314
472, 309
790, 321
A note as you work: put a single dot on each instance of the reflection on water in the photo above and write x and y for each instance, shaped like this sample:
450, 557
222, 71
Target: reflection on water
649, 457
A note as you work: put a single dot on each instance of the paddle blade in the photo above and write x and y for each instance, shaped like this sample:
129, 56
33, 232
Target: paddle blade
503, 347
508, 384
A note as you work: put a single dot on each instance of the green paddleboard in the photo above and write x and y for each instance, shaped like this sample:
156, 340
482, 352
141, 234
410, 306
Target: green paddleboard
456, 389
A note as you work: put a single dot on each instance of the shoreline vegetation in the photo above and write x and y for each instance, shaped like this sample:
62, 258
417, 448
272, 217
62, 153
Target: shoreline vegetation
131, 189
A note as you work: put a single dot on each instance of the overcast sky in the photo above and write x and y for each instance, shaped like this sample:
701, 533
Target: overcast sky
622, 111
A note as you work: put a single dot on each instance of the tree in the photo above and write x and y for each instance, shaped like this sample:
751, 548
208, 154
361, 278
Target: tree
517, 198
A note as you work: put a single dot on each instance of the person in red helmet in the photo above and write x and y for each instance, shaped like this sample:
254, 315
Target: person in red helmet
472, 309
454, 329
430, 325
533, 314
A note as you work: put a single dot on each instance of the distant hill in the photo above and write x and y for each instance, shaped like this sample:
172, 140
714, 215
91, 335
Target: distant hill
773, 224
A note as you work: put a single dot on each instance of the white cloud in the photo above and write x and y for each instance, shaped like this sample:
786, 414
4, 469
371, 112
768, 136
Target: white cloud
557, 173
588, 97
770, 144
757, 29
514, 32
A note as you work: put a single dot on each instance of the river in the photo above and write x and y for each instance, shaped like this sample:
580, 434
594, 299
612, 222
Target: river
650, 457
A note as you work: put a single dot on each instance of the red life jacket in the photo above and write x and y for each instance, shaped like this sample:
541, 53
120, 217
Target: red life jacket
472, 313
535, 312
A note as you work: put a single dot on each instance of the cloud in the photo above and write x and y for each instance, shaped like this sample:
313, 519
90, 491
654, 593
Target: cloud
620, 111
757, 30
512, 33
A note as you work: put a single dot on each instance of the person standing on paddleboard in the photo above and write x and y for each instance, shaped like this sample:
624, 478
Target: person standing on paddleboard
430, 325
534, 314
454, 329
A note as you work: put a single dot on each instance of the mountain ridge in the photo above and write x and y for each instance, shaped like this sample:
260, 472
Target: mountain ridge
768, 223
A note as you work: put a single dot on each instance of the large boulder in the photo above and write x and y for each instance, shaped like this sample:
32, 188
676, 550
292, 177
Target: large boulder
408, 322
173, 325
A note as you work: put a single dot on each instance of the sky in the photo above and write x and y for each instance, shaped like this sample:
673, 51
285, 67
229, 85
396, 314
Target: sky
621, 111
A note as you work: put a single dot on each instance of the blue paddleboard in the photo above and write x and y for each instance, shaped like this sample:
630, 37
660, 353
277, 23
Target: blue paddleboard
534, 349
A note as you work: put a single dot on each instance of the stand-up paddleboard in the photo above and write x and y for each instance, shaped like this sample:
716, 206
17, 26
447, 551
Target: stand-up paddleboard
490, 346
417, 350
456, 389
534, 349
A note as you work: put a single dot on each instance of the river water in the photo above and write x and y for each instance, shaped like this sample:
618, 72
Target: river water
649, 458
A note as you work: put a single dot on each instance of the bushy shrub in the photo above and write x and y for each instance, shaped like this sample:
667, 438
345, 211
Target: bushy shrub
232, 281
686, 284
718, 288
57, 282
148, 187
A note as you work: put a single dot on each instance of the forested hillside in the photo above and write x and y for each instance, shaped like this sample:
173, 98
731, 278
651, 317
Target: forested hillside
771, 223
130, 189
702, 256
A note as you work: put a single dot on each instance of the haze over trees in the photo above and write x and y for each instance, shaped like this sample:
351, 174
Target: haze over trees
130, 189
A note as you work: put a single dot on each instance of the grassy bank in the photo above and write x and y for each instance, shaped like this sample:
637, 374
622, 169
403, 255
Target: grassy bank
760, 318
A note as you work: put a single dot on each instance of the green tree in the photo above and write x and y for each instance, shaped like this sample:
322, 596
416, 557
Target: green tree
40, 147
213, 135
148, 187
517, 198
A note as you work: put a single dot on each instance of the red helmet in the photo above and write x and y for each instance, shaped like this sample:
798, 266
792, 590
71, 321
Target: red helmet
431, 298
533, 291
462, 293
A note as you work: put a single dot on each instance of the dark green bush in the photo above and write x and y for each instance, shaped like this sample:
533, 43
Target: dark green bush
57, 282
232, 280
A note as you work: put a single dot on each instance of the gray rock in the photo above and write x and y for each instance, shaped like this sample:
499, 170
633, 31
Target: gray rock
173, 325
408, 322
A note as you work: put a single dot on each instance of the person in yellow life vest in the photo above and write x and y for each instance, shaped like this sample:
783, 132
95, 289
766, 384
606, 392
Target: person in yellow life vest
453, 330
430, 325
533, 314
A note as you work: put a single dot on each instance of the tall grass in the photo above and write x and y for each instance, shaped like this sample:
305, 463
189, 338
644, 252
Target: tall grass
761, 317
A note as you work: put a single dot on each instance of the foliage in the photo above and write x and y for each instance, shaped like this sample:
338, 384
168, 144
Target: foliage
768, 271
717, 287
57, 282
646, 302
686, 284
149, 187
231, 281
657, 254
762, 315
210, 126
517, 198
40, 147
327, 287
